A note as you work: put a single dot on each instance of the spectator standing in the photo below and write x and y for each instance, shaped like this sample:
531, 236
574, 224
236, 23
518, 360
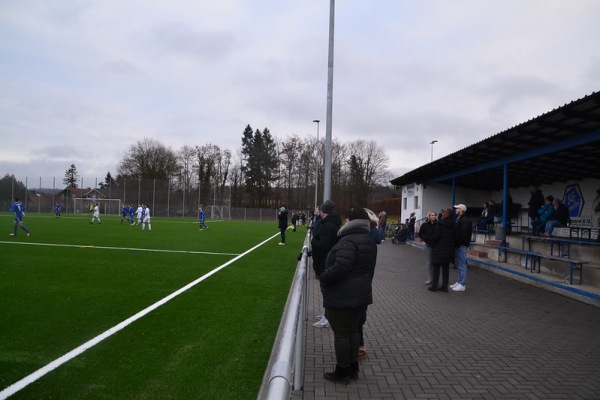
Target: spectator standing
282, 219
19, 209
596, 211
382, 225
295, 219
559, 218
410, 226
346, 287
426, 234
464, 229
545, 212
536, 201
323, 239
442, 250
362, 318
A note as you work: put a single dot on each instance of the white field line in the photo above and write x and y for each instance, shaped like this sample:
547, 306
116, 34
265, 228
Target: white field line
83, 246
15, 387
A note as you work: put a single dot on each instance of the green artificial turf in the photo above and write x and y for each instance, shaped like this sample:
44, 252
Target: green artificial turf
71, 281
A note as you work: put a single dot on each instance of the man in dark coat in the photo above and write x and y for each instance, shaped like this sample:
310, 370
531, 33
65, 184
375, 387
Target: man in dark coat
282, 219
536, 201
346, 287
426, 234
464, 229
442, 243
324, 235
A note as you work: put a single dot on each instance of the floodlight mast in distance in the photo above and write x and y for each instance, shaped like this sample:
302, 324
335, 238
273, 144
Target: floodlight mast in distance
432, 143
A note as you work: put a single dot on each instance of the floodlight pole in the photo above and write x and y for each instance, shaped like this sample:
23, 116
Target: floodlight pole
432, 143
317, 167
328, 134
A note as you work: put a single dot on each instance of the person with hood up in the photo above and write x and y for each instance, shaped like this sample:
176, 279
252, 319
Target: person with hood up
346, 287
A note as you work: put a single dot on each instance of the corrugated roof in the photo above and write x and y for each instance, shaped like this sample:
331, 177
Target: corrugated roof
558, 146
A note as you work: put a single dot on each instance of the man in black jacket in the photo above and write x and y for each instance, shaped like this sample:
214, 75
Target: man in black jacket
464, 229
323, 240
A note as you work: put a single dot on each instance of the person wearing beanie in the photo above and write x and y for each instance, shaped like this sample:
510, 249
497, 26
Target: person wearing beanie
324, 237
545, 212
559, 218
346, 288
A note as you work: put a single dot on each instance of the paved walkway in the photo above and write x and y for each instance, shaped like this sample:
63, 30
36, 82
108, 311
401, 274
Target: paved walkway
501, 339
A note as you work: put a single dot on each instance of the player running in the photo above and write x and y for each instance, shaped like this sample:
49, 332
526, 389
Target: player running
140, 214
96, 215
19, 209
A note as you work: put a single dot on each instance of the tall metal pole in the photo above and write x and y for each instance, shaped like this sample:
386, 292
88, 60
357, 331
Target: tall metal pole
327, 171
432, 143
317, 167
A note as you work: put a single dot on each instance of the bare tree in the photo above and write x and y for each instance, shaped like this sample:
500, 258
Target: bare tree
149, 159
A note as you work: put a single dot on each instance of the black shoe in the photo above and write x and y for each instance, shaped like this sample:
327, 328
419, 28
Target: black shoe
443, 289
354, 369
432, 288
340, 375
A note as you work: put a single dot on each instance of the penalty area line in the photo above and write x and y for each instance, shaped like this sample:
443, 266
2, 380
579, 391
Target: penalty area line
15, 387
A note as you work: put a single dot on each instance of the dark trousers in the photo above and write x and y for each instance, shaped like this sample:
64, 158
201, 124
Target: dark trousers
344, 324
283, 234
445, 267
362, 318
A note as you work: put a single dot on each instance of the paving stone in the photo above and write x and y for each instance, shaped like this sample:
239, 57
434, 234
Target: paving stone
500, 339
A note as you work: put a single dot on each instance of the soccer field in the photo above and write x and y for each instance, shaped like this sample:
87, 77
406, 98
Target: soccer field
157, 326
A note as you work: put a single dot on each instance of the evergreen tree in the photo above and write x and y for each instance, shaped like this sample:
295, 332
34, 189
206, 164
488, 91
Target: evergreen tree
260, 164
71, 177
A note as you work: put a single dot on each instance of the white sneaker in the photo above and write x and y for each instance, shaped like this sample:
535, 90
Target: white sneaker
428, 282
282, 244
323, 323
459, 288
319, 317
453, 285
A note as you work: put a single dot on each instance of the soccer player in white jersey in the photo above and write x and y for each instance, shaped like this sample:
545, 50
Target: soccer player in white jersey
96, 214
146, 220
140, 214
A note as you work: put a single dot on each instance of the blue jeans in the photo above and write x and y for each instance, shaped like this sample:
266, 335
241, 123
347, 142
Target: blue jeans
382, 233
551, 225
461, 264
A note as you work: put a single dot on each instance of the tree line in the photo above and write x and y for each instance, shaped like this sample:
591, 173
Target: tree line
264, 173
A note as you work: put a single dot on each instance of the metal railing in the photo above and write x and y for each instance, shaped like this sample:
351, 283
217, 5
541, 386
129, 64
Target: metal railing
285, 371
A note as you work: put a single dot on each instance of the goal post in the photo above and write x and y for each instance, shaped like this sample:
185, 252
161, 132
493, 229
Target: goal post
107, 206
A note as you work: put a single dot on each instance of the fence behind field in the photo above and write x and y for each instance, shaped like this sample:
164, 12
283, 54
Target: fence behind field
40, 195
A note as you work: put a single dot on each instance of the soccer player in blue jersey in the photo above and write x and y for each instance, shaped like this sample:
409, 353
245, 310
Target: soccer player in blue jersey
131, 212
124, 212
57, 210
19, 209
201, 218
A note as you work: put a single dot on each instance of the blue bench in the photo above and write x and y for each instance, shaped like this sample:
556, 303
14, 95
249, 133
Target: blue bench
535, 259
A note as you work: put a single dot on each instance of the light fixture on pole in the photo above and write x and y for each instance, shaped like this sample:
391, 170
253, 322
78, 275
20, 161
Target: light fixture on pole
432, 143
317, 167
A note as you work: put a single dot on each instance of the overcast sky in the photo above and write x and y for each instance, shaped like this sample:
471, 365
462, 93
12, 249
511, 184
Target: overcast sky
81, 81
